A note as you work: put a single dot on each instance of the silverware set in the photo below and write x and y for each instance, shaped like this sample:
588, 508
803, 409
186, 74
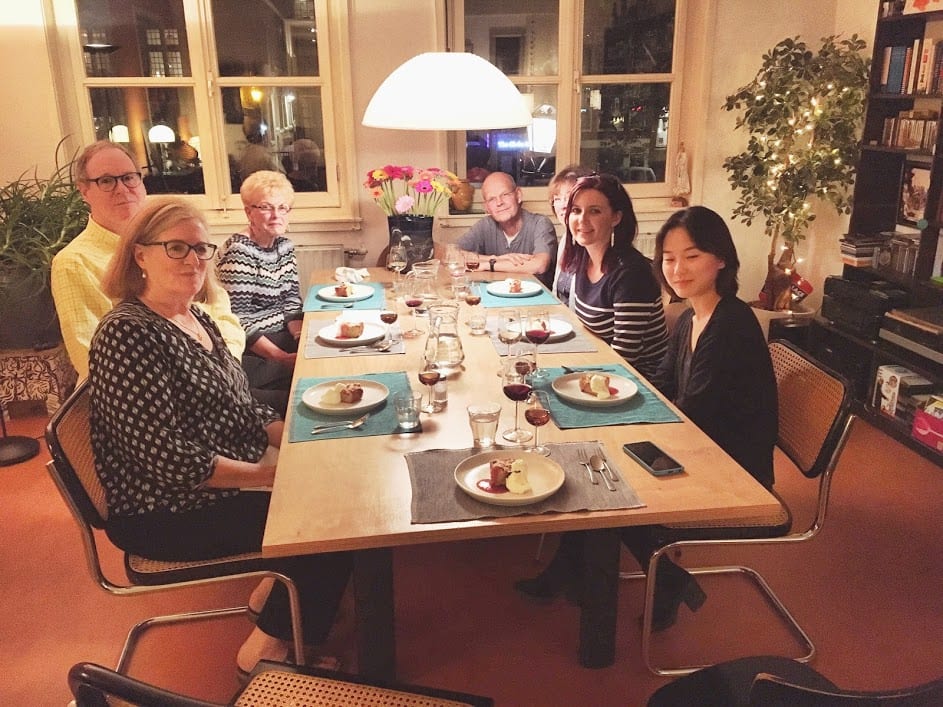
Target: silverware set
597, 463
341, 425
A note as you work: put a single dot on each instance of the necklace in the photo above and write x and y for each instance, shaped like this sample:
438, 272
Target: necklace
197, 331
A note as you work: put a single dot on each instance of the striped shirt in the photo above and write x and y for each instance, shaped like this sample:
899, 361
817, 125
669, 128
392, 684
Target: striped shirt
262, 284
624, 308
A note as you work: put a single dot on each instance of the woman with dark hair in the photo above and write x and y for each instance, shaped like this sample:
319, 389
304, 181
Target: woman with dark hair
718, 372
605, 280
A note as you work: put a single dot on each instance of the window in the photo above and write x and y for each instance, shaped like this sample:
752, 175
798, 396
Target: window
600, 77
203, 104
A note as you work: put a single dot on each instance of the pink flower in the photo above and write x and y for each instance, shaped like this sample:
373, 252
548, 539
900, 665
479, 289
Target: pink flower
404, 204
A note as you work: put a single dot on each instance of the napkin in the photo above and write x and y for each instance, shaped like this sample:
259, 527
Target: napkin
354, 275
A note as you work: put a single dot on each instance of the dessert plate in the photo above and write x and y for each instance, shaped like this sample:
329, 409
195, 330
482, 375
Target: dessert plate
544, 475
357, 293
559, 330
373, 396
501, 288
371, 332
568, 387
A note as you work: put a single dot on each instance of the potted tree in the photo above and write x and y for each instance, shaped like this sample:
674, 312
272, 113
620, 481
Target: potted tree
803, 111
38, 217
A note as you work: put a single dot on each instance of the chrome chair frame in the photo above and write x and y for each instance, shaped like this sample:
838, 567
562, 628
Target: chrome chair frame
73, 471
815, 423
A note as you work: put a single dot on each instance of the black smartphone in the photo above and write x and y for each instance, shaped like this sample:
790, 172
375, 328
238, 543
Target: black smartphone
650, 456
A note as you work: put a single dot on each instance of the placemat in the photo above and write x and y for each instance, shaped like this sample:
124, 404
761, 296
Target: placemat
642, 407
577, 342
543, 298
315, 348
438, 499
315, 304
382, 419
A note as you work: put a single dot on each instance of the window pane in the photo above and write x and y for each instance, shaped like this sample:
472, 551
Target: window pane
628, 36
160, 128
522, 42
133, 38
528, 154
624, 130
277, 128
275, 38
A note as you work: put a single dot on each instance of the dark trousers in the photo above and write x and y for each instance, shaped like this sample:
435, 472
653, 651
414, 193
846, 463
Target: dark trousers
271, 381
231, 526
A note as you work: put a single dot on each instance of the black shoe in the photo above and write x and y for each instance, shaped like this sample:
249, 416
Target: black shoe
674, 585
542, 588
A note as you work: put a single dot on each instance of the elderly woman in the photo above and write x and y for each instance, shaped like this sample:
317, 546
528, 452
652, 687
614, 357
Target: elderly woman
176, 433
605, 280
258, 268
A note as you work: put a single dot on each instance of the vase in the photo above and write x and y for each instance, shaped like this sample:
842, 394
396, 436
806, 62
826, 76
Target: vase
418, 231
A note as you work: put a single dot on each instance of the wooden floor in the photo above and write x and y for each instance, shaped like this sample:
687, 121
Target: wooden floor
869, 591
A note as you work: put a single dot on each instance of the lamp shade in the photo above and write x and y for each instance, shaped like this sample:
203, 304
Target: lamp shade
160, 134
447, 91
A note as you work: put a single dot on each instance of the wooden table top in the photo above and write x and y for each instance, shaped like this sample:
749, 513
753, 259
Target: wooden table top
347, 494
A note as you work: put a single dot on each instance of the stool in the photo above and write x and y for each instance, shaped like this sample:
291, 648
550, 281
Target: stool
28, 374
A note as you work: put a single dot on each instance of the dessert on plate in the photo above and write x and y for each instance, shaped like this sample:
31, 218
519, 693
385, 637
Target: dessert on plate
343, 290
343, 393
595, 384
511, 474
349, 330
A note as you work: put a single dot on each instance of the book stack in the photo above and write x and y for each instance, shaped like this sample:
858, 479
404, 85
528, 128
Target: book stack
859, 250
911, 130
913, 69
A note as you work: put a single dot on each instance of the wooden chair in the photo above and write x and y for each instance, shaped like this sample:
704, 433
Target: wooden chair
271, 685
73, 470
814, 424
774, 681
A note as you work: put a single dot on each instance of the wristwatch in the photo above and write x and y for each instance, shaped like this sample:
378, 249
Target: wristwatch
491, 262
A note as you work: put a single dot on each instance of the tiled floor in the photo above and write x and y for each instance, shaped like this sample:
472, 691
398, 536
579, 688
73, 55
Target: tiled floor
867, 590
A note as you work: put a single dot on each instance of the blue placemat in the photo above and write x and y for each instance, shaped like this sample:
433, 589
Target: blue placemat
642, 407
313, 303
382, 420
543, 298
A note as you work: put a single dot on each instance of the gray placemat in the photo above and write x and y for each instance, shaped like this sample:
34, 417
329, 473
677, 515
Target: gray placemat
438, 499
577, 342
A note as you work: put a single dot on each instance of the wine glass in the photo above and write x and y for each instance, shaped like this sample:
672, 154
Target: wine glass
429, 376
471, 261
413, 299
453, 260
389, 317
396, 260
536, 328
537, 413
516, 388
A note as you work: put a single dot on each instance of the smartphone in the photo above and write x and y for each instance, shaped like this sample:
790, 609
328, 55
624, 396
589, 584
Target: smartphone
650, 456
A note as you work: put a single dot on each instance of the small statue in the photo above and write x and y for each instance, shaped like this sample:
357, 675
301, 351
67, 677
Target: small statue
682, 185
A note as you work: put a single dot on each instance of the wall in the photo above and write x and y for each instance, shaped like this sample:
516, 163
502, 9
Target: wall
24, 64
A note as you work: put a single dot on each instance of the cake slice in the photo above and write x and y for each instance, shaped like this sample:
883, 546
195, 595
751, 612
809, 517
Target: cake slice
595, 384
349, 330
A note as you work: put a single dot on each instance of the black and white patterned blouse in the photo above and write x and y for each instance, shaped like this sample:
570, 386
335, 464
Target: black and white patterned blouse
162, 408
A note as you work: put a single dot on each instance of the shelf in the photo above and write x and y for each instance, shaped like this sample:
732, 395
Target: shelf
897, 430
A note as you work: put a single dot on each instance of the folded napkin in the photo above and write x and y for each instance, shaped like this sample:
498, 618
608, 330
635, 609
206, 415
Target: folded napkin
382, 420
437, 497
343, 274
313, 303
644, 406
488, 299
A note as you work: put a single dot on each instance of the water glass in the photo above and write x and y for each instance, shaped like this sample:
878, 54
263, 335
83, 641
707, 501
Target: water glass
483, 420
407, 405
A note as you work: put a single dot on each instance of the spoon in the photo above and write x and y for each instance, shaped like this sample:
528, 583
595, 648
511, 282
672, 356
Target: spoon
349, 305
599, 465
345, 425
381, 345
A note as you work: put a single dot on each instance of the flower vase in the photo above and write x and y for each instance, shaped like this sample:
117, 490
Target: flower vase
418, 229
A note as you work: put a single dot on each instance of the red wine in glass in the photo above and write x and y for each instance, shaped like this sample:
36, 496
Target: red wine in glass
537, 336
412, 301
538, 417
472, 299
429, 377
388, 317
517, 391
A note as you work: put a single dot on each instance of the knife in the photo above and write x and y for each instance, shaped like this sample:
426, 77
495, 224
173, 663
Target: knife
612, 474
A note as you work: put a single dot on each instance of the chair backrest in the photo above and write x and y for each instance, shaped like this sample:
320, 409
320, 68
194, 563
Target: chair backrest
771, 691
73, 464
95, 686
814, 404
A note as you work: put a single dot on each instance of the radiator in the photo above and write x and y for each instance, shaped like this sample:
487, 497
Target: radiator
317, 257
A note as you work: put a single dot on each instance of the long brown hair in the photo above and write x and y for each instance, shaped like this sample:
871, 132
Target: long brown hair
623, 235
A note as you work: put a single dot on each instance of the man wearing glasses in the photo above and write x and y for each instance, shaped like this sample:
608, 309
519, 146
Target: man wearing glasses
512, 239
110, 184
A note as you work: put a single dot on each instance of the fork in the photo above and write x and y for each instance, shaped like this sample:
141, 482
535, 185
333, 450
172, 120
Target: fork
343, 425
584, 460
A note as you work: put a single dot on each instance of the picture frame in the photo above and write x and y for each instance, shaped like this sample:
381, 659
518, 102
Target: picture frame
915, 7
915, 186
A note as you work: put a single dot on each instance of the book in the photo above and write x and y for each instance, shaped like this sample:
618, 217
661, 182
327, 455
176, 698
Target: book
885, 65
895, 70
926, 63
913, 66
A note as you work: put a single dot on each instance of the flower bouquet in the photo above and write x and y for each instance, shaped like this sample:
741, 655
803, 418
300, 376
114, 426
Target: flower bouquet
405, 190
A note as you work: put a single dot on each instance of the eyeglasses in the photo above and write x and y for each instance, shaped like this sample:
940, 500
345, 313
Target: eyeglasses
178, 250
499, 197
108, 183
270, 208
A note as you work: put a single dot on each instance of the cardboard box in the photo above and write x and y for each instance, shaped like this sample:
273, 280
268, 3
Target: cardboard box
928, 430
894, 382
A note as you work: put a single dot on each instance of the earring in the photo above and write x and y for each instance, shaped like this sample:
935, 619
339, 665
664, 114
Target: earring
612, 240
143, 275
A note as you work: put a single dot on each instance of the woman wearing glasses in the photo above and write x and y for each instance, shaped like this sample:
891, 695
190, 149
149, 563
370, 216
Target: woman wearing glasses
176, 432
258, 268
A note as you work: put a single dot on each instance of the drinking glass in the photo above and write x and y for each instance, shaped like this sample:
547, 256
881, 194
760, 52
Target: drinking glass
389, 317
537, 413
477, 320
454, 261
516, 388
397, 260
471, 261
412, 296
509, 328
536, 328
429, 376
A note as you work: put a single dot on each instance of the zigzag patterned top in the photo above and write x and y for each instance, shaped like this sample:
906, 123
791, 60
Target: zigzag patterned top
262, 284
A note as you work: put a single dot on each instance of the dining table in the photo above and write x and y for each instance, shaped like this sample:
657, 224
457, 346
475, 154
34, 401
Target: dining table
374, 488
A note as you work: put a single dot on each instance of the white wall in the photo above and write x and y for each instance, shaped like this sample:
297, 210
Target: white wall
744, 30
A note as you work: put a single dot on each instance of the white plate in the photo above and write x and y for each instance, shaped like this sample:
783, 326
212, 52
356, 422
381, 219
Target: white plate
357, 293
544, 475
500, 289
371, 332
373, 395
559, 330
568, 388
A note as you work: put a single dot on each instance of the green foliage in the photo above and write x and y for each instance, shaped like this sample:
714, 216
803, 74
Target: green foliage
38, 218
803, 111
